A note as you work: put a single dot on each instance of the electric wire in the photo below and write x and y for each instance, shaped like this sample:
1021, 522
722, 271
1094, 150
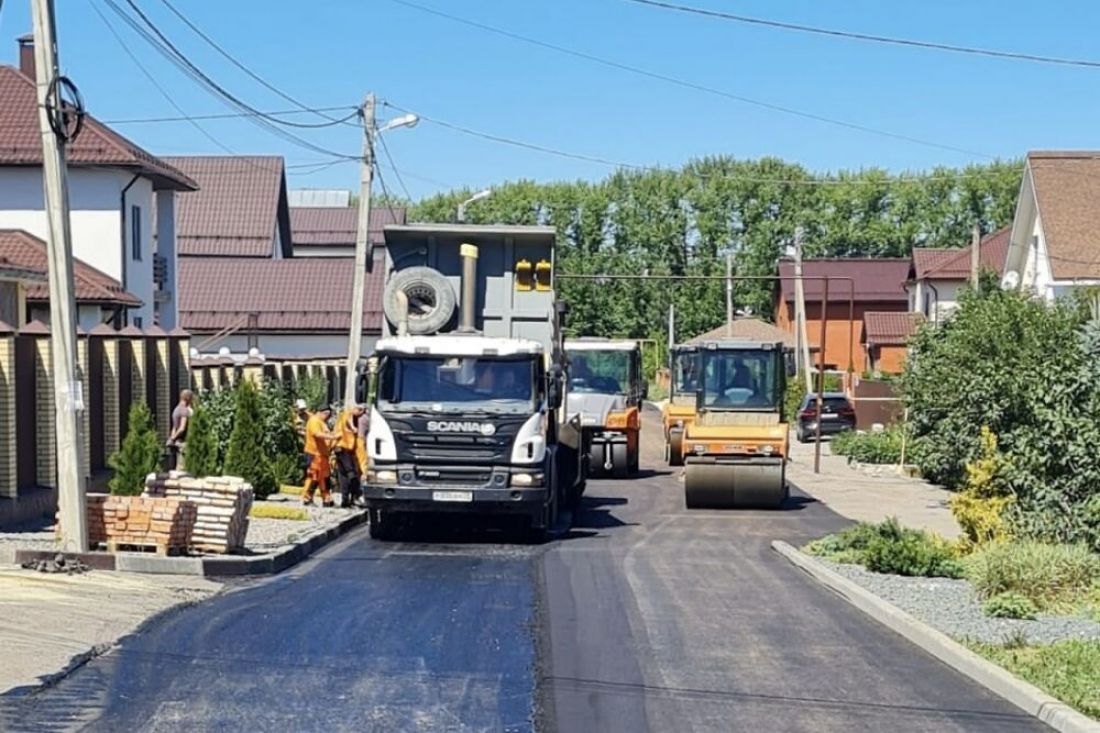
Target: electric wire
225, 115
393, 166
853, 35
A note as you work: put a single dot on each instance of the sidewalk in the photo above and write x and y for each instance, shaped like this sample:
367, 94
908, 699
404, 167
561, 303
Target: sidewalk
47, 621
866, 498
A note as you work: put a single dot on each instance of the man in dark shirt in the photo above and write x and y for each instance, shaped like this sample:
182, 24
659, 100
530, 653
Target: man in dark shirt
177, 438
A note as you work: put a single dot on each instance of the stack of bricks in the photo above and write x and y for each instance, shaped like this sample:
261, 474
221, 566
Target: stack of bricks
222, 503
97, 526
162, 523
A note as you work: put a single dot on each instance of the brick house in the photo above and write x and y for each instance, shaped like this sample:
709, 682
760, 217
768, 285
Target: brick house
937, 275
877, 286
886, 339
116, 192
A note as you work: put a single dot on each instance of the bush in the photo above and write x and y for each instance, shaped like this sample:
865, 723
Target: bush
280, 439
139, 455
1051, 576
245, 457
286, 470
201, 453
314, 390
882, 447
221, 405
847, 546
979, 509
911, 552
1010, 605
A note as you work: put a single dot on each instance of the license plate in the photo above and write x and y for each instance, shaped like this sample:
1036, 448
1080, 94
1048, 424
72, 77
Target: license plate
827, 416
462, 496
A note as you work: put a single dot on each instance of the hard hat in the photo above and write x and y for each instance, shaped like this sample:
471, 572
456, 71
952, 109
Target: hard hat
299, 404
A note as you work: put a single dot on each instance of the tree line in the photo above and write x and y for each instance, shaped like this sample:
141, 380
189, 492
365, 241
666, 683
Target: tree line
685, 221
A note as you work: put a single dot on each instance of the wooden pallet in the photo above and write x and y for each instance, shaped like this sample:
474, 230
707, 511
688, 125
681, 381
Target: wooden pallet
162, 550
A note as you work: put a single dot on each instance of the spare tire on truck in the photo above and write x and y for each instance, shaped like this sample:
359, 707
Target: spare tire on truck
432, 300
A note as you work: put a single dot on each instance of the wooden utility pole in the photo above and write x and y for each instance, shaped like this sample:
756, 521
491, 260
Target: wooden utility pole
363, 254
800, 313
671, 326
68, 392
729, 295
975, 254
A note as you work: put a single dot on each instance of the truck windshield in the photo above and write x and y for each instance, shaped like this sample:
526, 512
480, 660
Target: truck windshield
607, 372
457, 384
685, 372
744, 378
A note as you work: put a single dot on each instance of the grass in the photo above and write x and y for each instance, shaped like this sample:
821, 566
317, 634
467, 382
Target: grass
1068, 670
1056, 578
268, 511
889, 548
291, 490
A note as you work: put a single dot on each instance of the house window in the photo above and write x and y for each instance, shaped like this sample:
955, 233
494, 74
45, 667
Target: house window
135, 232
138, 321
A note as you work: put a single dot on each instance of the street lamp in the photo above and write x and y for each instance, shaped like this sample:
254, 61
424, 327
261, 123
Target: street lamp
473, 199
408, 120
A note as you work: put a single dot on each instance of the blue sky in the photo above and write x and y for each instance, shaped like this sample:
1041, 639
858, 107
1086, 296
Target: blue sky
330, 52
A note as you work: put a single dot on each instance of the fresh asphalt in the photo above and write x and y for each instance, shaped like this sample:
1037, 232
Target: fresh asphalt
641, 617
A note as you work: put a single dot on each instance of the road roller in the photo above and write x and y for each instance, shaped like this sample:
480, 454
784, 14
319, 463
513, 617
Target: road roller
735, 450
606, 390
679, 411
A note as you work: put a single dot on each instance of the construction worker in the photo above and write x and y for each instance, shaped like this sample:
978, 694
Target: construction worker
301, 417
319, 443
347, 463
363, 426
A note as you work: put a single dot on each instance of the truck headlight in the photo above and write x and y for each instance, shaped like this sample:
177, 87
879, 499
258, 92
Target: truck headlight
527, 479
382, 477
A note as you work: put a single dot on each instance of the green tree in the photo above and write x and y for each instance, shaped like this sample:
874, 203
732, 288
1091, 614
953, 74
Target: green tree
139, 455
201, 452
245, 456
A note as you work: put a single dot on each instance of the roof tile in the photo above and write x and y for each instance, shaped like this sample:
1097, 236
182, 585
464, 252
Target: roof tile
889, 328
874, 279
91, 285
336, 226
953, 263
747, 328
1067, 189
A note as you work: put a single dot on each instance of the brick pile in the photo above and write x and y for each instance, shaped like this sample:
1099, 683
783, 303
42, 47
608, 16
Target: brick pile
162, 523
97, 528
222, 504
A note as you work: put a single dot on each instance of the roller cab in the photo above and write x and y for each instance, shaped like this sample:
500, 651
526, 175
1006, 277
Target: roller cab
605, 393
736, 449
679, 412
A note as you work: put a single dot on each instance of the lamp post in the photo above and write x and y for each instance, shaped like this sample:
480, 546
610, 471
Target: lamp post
473, 199
364, 258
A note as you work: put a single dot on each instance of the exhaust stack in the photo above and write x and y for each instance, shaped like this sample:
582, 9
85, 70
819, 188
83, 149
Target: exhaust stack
467, 314
403, 308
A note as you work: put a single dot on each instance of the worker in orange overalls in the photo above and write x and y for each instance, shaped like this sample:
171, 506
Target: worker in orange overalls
347, 460
319, 449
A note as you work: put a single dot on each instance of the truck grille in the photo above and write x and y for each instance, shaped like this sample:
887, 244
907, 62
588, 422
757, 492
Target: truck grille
453, 476
427, 445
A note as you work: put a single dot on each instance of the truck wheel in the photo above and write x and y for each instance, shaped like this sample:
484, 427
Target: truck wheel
620, 460
676, 448
382, 525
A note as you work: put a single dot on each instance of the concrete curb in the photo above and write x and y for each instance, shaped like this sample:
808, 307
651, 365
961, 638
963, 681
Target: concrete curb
1027, 697
212, 566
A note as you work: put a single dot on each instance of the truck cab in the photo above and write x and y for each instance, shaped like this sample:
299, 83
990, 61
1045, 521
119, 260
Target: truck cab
606, 391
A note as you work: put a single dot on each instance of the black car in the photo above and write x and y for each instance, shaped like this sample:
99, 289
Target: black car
837, 415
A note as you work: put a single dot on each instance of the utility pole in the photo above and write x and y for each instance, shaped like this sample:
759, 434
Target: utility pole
975, 254
800, 313
363, 251
68, 394
729, 295
671, 326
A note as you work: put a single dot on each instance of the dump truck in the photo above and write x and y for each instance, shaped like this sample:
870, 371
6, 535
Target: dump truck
606, 390
736, 449
469, 386
679, 411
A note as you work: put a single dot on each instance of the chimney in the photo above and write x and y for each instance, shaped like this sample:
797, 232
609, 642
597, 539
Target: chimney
26, 55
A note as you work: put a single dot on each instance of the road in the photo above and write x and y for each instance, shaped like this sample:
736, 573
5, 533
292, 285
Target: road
642, 617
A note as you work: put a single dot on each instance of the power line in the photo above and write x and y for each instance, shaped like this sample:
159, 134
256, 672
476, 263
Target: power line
163, 46
893, 180
253, 75
228, 115
639, 71
396, 172
931, 45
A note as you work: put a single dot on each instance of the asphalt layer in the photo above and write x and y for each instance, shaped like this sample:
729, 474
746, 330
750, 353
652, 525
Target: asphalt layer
643, 616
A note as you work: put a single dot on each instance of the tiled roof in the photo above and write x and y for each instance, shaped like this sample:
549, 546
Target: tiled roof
97, 145
954, 263
889, 329
874, 279
302, 294
1067, 190
91, 285
748, 328
237, 209
336, 226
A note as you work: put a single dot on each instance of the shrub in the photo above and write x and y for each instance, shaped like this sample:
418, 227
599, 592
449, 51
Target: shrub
139, 455
847, 546
1010, 605
244, 456
980, 508
277, 417
1049, 575
286, 470
221, 405
201, 454
901, 551
314, 390
882, 447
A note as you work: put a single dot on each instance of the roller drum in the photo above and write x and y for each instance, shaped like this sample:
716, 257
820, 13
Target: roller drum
735, 485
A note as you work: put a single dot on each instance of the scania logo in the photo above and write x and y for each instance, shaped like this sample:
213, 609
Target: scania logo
458, 426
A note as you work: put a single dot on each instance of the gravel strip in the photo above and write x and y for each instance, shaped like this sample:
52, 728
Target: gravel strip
952, 607
270, 535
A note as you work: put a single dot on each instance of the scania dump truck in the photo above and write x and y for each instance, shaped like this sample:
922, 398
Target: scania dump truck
606, 390
467, 414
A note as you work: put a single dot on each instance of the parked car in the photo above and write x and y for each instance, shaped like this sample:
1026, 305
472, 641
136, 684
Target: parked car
837, 415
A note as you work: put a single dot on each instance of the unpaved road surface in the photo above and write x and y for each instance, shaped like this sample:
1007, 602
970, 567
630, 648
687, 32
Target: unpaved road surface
643, 617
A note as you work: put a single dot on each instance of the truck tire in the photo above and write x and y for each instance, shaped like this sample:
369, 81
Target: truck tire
620, 460
675, 448
432, 300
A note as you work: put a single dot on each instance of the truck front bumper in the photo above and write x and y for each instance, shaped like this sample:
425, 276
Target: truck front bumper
423, 489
